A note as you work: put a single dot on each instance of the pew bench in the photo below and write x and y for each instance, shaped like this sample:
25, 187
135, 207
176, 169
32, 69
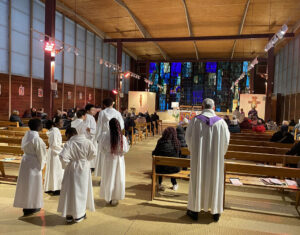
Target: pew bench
9, 154
257, 149
8, 123
260, 143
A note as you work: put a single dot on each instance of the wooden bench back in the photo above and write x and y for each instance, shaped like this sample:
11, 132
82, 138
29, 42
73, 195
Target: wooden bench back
270, 171
22, 133
257, 149
260, 143
262, 157
24, 129
171, 161
10, 140
8, 123
11, 150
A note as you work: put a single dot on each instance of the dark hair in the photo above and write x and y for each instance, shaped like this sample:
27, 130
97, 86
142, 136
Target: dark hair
56, 120
48, 124
108, 102
171, 134
89, 106
35, 124
116, 136
70, 132
80, 113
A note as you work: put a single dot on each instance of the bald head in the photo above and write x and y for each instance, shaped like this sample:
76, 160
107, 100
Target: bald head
208, 104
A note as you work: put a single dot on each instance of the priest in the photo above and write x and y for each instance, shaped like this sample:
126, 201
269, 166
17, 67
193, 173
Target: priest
207, 137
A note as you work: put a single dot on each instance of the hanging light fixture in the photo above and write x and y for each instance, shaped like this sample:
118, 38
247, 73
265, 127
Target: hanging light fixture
279, 35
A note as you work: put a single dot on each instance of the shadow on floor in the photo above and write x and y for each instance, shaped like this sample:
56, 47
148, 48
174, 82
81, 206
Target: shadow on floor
140, 191
44, 219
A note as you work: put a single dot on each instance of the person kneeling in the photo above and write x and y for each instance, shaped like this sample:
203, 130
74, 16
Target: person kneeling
113, 147
77, 190
169, 146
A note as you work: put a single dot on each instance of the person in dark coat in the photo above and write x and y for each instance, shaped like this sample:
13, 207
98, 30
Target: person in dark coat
16, 118
155, 118
283, 136
246, 124
148, 120
169, 146
129, 123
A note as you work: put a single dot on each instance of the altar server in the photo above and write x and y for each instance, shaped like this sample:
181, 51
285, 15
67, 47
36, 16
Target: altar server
91, 127
29, 191
79, 123
77, 190
54, 172
113, 147
103, 127
207, 137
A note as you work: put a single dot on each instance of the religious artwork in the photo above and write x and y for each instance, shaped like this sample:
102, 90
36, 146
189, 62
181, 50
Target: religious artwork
249, 101
80, 95
21, 90
188, 115
69, 95
142, 101
90, 97
40, 92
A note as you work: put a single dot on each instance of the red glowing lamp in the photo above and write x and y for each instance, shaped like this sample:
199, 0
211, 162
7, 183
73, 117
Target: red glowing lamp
114, 91
127, 74
49, 46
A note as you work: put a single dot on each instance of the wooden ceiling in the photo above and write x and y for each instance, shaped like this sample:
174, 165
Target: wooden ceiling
167, 18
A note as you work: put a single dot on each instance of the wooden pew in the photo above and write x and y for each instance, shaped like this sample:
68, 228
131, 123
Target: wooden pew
257, 149
260, 143
10, 140
24, 129
22, 133
8, 123
9, 152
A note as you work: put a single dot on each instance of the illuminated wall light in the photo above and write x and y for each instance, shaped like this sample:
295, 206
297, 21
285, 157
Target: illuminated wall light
49, 46
114, 91
127, 75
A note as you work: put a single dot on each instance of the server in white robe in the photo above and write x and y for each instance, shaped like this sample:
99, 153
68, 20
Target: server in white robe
79, 123
29, 191
207, 137
103, 127
91, 125
113, 147
77, 190
54, 172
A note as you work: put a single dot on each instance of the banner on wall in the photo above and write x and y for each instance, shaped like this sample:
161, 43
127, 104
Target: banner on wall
40, 92
21, 90
90, 96
248, 101
80, 95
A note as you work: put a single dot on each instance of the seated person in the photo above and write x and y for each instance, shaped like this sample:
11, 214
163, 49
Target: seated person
155, 118
227, 119
297, 127
16, 118
271, 125
148, 120
129, 124
260, 127
294, 151
292, 123
234, 125
283, 136
27, 114
246, 124
168, 146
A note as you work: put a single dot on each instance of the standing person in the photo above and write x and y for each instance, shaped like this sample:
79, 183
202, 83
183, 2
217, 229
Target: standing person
207, 137
103, 127
79, 123
113, 147
91, 125
54, 172
29, 191
77, 190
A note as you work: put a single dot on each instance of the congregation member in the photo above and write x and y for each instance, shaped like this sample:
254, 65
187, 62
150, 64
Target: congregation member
207, 137
79, 123
246, 124
155, 119
297, 128
113, 146
27, 114
227, 120
242, 116
91, 125
260, 127
283, 135
103, 127
14, 117
271, 125
54, 172
77, 189
29, 191
292, 123
167, 146
129, 124
236, 112
33, 112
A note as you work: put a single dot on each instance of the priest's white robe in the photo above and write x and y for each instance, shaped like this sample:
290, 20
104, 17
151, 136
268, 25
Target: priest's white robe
103, 127
80, 126
54, 172
113, 173
90, 122
76, 193
208, 145
29, 191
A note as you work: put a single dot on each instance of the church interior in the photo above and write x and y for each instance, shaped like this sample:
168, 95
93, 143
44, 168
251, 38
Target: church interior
158, 65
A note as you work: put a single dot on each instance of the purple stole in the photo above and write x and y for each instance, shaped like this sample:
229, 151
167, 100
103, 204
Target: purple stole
208, 121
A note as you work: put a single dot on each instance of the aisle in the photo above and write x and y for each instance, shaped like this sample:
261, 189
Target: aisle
137, 215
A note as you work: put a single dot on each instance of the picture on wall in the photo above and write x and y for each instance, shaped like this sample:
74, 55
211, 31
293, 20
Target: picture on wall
21, 90
69, 95
80, 95
40, 92
90, 96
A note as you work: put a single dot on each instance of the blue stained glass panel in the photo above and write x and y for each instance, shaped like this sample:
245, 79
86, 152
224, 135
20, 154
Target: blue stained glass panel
211, 67
175, 69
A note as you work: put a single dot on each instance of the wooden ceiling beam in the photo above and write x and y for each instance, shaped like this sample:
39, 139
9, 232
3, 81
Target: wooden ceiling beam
140, 26
201, 38
241, 26
189, 25
64, 9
